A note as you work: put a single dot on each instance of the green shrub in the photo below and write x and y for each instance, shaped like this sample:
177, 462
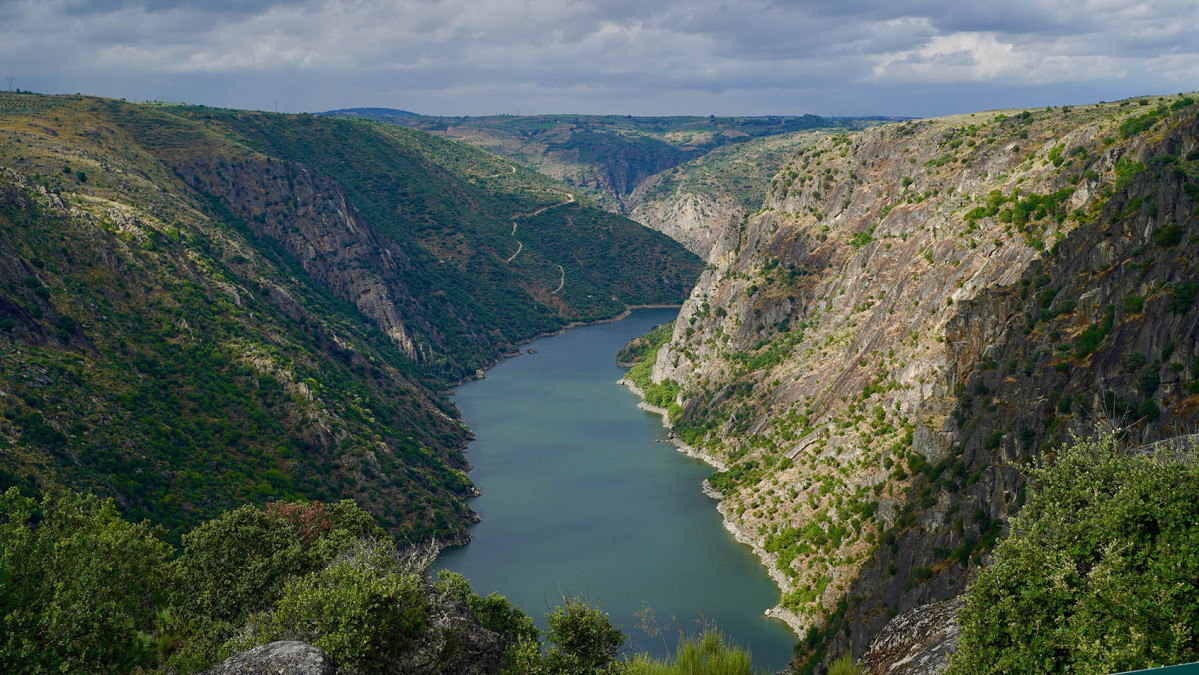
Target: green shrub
583, 640
1090, 339
1168, 235
1098, 574
1182, 296
1149, 410
860, 239
1133, 304
844, 665
364, 609
79, 586
237, 563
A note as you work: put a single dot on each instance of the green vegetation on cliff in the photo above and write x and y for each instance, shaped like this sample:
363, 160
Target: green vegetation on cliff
640, 354
917, 310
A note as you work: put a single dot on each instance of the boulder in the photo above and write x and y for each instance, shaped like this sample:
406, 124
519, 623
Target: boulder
286, 657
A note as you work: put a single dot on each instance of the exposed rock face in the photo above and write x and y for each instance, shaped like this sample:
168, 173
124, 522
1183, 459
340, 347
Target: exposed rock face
917, 642
312, 217
287, 657
695, 201
919, 309
691, 219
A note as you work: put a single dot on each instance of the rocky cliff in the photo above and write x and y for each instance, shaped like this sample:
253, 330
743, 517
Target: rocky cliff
919, 309
693, 202
692, 219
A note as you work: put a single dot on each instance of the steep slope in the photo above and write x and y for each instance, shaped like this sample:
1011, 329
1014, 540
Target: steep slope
609, 156
201, 308
692, 202
919, 309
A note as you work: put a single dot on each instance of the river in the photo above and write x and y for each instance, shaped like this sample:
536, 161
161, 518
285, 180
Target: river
580, 494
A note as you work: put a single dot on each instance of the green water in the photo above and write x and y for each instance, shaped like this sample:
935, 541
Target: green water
580, 495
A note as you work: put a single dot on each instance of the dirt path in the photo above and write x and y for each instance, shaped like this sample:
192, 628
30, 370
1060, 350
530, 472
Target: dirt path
561, 283
511, 170
570, 198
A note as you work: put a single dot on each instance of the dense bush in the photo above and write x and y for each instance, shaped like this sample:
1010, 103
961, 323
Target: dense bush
363, 610
83, 591
583, 640
79, 587
237, 563
1098, 574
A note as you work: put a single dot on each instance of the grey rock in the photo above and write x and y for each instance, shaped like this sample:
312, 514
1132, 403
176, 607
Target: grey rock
917, 642
286, 657
454, 642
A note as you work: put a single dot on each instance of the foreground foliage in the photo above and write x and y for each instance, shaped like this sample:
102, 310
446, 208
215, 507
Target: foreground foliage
78, 586
710, 653
1099, 572
84, 591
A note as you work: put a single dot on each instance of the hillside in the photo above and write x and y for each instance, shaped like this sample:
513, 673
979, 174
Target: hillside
608, 156
201, 308
918, 310
692, 202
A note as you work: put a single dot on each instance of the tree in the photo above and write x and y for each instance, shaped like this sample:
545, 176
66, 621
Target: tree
583, 639
79, 586
364, 609
1099, 571
237, 563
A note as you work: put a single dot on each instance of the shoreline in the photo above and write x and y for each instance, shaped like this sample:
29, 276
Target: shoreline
448, 390
679, 445
480, 372
793, 621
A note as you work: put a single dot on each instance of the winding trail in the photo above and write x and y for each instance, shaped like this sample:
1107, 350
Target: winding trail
511, 170
562, 282
570, 198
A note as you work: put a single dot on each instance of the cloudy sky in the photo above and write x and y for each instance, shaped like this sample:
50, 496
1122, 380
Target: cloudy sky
474, 57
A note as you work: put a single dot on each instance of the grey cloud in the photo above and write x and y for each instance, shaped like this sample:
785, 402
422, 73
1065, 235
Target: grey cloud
470, 56
225, 7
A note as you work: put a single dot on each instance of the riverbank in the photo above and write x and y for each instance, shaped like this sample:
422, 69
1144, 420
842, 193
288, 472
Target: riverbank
682, 447
795, 622
482, 372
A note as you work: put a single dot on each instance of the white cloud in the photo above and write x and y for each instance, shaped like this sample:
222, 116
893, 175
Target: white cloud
566, 54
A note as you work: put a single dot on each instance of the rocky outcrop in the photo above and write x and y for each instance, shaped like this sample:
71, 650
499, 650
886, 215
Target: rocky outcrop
691, 219
454, 642
313, 219
287, 657
917, 642
918, 310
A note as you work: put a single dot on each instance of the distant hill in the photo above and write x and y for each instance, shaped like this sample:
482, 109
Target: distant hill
611, 156
201, 308
380, 114
694, 201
